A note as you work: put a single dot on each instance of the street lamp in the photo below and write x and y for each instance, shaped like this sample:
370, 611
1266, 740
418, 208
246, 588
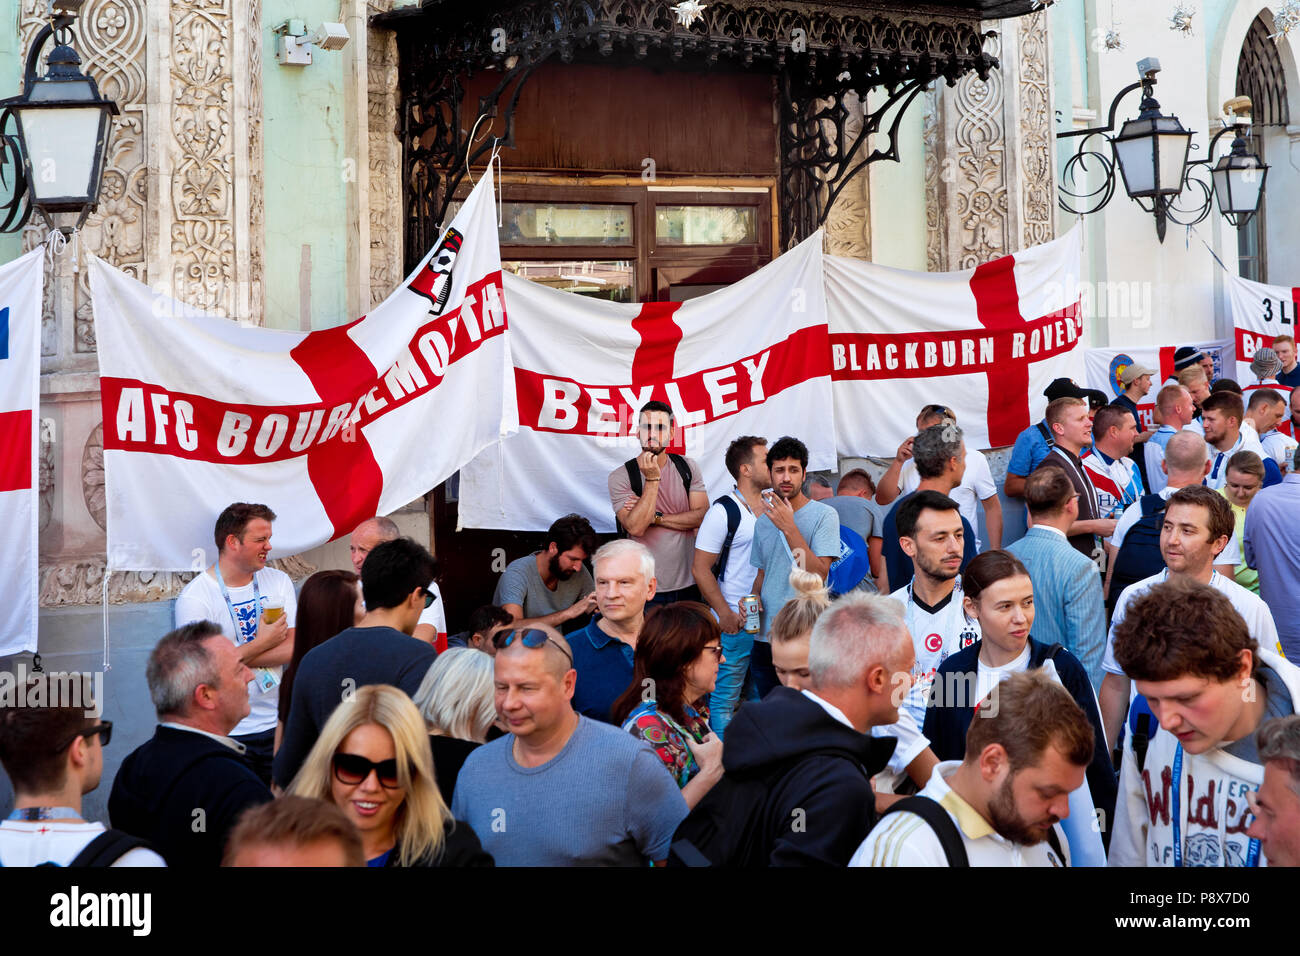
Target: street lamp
1150, 151
1239, 176
60, 145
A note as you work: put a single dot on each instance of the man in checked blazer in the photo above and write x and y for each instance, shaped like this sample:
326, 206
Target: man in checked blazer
1068, 604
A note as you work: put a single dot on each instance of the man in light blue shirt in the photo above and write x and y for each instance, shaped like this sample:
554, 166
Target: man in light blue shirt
1068, 605
792, 529
1272, 546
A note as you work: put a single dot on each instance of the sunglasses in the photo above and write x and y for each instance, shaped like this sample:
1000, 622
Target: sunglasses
103, 729
529, 638
352, 770
428, 598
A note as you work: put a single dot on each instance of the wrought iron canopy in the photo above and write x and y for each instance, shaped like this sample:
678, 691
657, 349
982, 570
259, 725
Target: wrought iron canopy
819, 51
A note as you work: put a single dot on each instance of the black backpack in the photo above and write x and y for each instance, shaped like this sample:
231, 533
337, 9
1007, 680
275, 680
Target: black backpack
954, 848
732, 509
726, 827
1139, 556
105, 850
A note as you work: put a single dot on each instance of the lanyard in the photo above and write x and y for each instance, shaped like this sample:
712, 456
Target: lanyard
1252, 851
44, 813
234, 618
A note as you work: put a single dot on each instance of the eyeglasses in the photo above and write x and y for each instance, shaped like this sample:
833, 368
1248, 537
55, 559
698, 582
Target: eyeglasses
529, 638
103, 729
715, 648
428, 598
353, 769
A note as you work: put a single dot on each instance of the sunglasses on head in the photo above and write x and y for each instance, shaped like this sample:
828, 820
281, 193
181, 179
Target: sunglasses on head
529, 638
352, 770
104, 729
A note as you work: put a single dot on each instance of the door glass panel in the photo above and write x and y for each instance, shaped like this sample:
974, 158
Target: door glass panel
706, 225
565, 224
614, 281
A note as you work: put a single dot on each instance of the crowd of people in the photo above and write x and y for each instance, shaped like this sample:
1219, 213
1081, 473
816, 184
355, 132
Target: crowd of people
795, 674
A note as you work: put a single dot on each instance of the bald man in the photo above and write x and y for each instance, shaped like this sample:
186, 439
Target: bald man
372, 532
562, 789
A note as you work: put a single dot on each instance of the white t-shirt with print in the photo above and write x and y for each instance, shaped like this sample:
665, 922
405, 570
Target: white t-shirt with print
33, 842
202, 601
936, 636
435, 615
738, 577
976, 485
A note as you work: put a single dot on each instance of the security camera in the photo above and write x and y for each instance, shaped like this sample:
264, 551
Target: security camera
328, 36
1148, 67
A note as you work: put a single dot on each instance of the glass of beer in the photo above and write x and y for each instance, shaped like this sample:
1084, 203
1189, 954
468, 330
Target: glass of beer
272, 610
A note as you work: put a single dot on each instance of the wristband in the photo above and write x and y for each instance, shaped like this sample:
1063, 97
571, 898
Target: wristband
652, 479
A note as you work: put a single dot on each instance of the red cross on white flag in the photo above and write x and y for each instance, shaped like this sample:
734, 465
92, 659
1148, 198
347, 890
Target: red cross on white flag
984, 342
20, 371
750, 359
327, 428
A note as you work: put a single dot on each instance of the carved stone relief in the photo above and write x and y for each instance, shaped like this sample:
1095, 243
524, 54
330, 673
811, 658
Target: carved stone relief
45, 476
848, 226
989, 173
1037, 135
92, 476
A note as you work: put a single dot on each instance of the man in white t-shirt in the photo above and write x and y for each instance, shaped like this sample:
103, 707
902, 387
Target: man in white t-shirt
976, 483
53, 756
235, 593
930, 533
1028, 748
1221, 415
747, 461
1186, 462
373, 532
1266, 410
1198, 526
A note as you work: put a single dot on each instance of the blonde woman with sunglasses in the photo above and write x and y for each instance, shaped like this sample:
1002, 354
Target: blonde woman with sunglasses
372, 760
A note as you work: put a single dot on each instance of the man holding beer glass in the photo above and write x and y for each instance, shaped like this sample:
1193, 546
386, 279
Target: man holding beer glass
255, 607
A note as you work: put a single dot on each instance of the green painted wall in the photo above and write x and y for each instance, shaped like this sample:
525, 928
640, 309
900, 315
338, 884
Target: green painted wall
306, 167
11, 84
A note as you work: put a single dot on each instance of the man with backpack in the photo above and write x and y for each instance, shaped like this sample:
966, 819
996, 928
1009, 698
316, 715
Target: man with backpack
659, 499
1028, 747
54, 756
798, 765
722, 570
1197, 525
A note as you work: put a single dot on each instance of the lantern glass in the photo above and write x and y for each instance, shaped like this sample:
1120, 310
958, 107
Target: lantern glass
1152, 155
1238, 183
64, 145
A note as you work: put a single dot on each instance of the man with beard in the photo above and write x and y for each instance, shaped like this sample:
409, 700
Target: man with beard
1221, 416
931, 534
660, 499
552, 586
1028, 747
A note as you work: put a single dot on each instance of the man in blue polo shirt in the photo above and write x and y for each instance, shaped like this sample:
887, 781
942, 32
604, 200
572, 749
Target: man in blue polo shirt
1034, 444
603, 650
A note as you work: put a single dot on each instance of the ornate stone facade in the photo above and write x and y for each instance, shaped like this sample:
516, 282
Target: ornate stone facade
989, 155
180, 208
848, 227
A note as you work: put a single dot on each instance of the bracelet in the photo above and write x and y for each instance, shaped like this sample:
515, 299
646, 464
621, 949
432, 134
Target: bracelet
652, 479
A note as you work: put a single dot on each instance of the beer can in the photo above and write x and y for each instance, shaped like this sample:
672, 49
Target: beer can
750, 603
